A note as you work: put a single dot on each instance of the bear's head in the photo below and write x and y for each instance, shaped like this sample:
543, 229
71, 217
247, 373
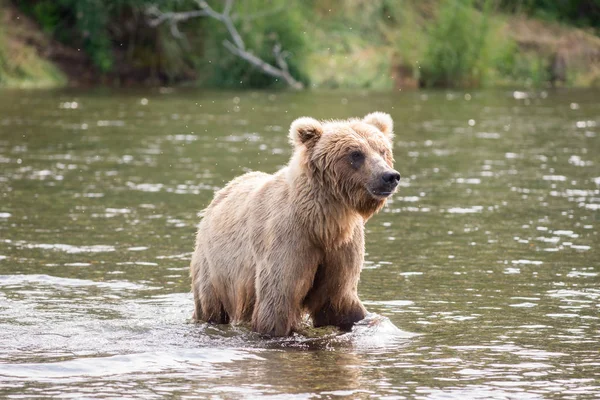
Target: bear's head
350, 160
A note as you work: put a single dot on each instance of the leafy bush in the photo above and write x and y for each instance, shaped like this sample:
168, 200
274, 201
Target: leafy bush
515, 67
21, 66
91, 25
456, 48
79, 23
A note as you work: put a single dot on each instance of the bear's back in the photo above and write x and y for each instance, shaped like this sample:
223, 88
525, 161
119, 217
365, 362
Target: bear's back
238, 189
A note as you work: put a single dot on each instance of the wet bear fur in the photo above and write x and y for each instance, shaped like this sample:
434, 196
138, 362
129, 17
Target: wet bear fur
272, 247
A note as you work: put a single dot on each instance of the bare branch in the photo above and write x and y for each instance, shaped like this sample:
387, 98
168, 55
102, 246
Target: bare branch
209, 10
280, 57
238, 46
264, 66
158, 17
175, 31
228, 6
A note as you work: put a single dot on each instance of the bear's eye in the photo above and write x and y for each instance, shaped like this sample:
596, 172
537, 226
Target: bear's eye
356, 158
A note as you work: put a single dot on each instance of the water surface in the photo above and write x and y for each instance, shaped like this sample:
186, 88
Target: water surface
482, 273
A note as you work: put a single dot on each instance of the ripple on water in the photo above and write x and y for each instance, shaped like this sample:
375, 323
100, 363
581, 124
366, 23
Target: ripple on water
465, 210
376, 331
534, 354
111, 212
570, 294
183, 138
470, 181
125, 332
182, 256
527, 262
558, 178
201, 360
581, 274
67, 248
177, 189
56, 282
488, 135
109, 123
130, 335
523, 305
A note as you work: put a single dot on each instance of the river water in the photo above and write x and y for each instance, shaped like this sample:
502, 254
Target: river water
481, 274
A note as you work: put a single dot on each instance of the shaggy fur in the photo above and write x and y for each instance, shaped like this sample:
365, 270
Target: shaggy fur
272, 247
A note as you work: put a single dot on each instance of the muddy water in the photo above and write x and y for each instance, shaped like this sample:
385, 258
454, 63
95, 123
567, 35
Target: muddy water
482, 273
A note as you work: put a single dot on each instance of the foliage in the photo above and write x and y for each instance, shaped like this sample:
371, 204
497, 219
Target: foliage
352, 43
262, 25
514, 67
456, 53
20, 64
349, 43
104, 31
578, 12
78, 23
89, 24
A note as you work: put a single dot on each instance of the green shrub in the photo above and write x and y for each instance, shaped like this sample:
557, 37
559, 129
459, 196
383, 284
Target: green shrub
87, 24
21, 66
78, 23
512, 66
456, 53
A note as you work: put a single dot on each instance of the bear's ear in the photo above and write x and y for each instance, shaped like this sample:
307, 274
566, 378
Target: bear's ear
306, 131
381, 121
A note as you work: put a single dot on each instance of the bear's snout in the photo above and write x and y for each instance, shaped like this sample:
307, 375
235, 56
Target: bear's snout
391, 178
388, 182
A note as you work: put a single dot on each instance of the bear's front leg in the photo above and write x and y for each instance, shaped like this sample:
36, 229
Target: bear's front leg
333, 300
283, 279
344, 315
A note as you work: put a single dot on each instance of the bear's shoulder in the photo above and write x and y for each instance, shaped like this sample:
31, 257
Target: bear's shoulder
238, 187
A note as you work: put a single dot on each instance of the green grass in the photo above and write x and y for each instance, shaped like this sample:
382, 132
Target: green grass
22, 67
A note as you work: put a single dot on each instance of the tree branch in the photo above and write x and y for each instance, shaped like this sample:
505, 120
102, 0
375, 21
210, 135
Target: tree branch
238, 46
280, 57
264, 66
157, 17
228, 6
209, 10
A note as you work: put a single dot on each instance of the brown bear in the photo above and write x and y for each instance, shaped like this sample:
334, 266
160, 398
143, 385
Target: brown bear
271, 247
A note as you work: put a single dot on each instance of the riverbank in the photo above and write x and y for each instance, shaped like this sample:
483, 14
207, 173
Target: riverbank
369, 45
437, 44
23, 61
